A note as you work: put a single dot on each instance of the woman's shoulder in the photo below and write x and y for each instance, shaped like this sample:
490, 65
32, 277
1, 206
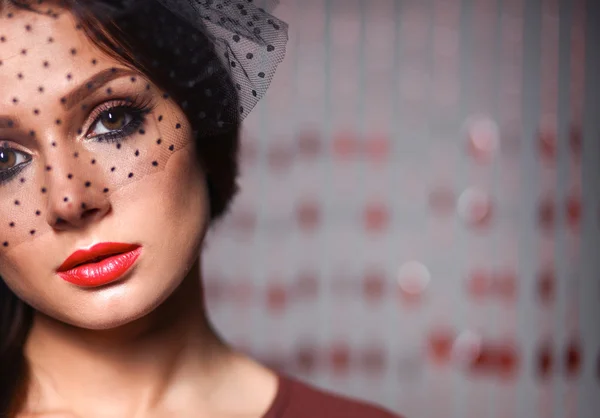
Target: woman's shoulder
296, 399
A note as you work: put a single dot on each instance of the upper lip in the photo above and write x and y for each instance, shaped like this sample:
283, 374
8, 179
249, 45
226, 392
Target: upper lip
95, 253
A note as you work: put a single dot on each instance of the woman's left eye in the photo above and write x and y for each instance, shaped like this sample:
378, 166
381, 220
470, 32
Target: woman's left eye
111, 120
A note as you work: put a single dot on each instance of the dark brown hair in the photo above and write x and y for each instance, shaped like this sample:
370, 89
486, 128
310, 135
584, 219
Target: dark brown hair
145, 41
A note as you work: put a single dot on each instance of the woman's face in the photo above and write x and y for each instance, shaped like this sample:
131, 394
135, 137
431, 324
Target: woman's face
91, 152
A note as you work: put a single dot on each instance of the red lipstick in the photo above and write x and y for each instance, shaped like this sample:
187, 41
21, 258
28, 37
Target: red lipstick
99, 265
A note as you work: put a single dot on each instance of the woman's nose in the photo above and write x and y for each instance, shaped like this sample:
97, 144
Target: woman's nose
75, 214
74, 200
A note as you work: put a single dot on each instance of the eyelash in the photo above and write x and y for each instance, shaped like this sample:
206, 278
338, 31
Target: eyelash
136, 108
7, 175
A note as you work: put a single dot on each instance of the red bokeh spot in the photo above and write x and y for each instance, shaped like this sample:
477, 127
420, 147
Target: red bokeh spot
572, 359
574, 211
505, 285
547, 145
306, 358
373, 286
546, 214
545, 361
377, 148
506, 360
440, 345
345, 145
479, 283
376, 217
339, 357
485, 361
546, 283
308, 215
277, 297
309, 144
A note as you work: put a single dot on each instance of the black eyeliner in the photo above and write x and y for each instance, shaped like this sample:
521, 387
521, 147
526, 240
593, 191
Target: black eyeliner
137, 109
8, 175
136, 123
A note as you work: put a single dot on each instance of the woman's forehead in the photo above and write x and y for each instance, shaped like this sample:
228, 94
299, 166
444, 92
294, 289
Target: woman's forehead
28, 29
43, 56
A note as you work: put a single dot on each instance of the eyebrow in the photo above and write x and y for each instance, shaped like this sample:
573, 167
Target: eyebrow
86, 88
92, 84
6, 122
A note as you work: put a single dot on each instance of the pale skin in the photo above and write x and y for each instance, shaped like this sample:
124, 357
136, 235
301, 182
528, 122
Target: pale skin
142, 347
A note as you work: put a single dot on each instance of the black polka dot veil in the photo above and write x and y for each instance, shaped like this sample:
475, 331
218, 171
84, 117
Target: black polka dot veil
78, 124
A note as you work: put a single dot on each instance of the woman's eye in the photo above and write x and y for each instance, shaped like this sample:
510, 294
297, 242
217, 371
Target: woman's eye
111, 120
11, 158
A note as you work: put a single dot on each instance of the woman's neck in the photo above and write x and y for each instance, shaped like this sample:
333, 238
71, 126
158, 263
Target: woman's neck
154, 363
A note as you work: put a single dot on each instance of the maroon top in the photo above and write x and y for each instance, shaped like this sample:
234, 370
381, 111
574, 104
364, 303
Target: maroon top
299, 400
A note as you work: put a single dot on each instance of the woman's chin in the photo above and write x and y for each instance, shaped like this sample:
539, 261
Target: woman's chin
111, 308
102, 320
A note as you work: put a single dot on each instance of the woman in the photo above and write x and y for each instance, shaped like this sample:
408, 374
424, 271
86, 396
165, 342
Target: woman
118, 149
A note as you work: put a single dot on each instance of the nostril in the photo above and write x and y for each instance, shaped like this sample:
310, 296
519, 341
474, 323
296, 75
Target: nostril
89, 213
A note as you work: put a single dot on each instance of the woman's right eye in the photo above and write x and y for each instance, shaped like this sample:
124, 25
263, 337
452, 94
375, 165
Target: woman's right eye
10, 159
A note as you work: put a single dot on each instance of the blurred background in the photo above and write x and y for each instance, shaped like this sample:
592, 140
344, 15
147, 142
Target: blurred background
419, 221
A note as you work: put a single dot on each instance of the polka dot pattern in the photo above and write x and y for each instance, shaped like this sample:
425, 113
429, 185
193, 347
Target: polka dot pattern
249, 58
80, 159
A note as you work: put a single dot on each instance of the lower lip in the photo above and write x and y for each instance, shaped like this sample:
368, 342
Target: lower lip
103, 272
